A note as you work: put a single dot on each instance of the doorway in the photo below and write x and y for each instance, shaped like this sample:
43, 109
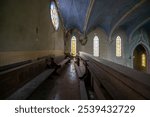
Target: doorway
140, 58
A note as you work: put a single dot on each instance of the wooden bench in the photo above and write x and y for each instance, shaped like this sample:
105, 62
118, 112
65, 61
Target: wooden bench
25, 91
110, 83
14, 78
81, 71
62, 63
14, 65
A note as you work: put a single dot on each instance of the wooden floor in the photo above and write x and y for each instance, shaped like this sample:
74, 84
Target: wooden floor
64, 86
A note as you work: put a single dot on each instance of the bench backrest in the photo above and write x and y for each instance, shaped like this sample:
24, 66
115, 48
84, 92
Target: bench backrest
113, 84
12, 79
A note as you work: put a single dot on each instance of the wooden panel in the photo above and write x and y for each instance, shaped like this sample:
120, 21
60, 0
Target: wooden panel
12, 79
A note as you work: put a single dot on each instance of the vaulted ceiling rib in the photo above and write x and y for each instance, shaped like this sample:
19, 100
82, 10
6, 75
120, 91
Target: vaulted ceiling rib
86, 15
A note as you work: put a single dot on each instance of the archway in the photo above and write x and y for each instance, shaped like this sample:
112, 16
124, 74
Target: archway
140, 58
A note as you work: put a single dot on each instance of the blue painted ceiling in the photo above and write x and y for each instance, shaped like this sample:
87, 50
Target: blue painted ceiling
73, 13
137, 17
104, 14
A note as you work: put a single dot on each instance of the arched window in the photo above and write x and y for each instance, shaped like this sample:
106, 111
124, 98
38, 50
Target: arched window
118, 46
143, 60
73, 46
96, 46
54, 15
140, 58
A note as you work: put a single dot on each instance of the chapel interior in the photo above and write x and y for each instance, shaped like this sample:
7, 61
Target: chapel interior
74, 49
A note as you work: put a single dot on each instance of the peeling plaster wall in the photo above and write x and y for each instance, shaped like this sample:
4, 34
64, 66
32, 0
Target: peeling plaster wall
26, 31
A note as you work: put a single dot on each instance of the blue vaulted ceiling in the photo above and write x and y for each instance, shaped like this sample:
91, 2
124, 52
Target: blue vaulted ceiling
103, 13
137, 17
106, 12
73, 13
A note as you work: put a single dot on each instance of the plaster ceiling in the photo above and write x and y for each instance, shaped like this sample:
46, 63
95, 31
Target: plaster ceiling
86, 15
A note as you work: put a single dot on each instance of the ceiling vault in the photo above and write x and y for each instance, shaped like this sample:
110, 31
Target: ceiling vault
138, 26
88, 13
124, 16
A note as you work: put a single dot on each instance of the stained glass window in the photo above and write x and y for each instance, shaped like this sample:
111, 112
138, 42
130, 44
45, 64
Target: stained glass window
96, 46
73, 46
143, 60
54, 15
118, 46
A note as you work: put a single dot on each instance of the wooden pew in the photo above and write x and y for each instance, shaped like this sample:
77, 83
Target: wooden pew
63, 63
81, 71
14, 65
26, 90
14, 78
111, 83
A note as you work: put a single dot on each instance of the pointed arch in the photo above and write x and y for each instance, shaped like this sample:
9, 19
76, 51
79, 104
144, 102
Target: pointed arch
140, 58
96, 46
118, 47
137, 27
73, 46
146, 47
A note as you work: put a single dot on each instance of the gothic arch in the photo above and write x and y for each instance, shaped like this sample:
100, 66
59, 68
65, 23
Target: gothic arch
147, 54
137, 27
144, 45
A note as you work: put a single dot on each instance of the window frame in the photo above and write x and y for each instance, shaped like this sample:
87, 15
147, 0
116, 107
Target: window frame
96, 47
74, 38
143, 60
56, 27
118, 46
